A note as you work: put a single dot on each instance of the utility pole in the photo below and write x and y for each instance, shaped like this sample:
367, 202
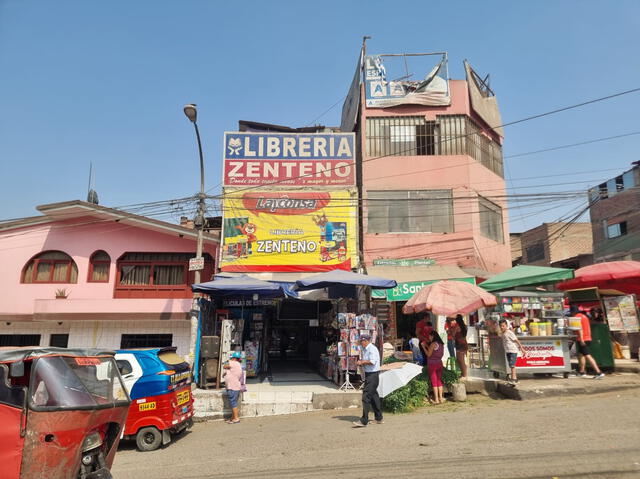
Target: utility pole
192, 114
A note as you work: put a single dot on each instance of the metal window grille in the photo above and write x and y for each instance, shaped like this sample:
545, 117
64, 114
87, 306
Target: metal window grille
19, 340
490, 220
129, 341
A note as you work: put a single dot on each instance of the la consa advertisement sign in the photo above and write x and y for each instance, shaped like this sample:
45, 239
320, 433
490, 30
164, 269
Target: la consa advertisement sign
289, 159
288, 231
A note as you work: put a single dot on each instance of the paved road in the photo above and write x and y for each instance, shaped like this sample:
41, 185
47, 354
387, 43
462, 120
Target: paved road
596, 436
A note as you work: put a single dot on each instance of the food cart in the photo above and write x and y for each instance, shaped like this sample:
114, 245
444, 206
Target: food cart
538, 321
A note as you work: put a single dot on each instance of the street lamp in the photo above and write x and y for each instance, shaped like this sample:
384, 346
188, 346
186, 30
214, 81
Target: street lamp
192, 114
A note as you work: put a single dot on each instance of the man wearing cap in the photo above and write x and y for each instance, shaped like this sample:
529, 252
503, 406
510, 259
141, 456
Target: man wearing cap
233, 383
370, 362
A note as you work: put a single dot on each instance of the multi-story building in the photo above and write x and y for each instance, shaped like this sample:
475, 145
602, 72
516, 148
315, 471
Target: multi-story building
430, 172
561, 245
615, 217
82, 275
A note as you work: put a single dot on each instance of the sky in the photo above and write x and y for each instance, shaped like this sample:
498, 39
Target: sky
105, 82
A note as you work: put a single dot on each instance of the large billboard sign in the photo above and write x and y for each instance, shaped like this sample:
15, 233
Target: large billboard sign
289, 231
289, 159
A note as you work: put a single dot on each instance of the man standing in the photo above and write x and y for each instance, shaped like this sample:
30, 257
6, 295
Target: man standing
370, 361
584, 341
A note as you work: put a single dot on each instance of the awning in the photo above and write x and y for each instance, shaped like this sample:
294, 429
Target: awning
412, 279
525, 275
418, 273
240, 286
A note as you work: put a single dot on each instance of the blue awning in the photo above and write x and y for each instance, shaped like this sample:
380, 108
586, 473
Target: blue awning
240, 286
340, 277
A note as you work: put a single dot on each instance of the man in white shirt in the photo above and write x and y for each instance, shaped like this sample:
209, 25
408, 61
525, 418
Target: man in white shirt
370, 362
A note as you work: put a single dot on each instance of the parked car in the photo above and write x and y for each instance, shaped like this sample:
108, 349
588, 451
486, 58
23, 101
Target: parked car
159, 383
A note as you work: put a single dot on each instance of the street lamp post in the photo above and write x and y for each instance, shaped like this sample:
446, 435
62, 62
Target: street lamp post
192, 114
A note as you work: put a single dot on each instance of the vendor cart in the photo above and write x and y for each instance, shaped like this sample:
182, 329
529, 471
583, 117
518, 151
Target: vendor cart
543, 355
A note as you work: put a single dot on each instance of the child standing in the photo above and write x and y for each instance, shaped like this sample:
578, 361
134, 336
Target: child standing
511, 347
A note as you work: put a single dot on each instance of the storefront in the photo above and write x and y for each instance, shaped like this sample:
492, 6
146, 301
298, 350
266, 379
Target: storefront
412, 276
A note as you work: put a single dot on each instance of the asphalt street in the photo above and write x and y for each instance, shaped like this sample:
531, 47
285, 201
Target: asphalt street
590, 436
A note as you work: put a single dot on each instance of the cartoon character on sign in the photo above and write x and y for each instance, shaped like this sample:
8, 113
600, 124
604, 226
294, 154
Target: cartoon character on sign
326, 235
247, 229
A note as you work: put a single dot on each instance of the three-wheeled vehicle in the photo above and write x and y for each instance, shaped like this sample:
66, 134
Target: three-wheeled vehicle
159, 383
62, 412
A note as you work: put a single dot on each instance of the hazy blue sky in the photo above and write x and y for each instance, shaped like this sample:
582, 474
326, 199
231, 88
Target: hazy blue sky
105, 81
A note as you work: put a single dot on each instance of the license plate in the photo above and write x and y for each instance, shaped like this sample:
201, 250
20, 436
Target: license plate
183, 397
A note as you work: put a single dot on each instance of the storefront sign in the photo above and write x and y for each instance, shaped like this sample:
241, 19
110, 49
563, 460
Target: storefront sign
289, 231
541, 354
404, 262
289, 159
404, 291
196, 264
231, 303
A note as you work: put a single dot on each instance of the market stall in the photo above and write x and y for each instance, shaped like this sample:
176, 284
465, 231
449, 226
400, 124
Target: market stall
538, 321
339, 362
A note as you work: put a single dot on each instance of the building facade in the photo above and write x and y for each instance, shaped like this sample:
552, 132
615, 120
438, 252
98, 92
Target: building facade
82, 275
431, 171
562, 245
615, 217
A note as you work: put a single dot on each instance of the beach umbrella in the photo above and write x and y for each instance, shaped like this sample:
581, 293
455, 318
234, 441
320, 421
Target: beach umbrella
619, 275
448, 298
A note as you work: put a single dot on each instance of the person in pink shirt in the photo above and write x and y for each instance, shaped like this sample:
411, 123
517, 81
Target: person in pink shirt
233, 382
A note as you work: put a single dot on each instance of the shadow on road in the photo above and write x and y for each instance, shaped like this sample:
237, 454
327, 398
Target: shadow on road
346, 418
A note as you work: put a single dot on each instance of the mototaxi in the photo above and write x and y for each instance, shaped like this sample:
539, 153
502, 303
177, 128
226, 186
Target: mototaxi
62, 412
159, 383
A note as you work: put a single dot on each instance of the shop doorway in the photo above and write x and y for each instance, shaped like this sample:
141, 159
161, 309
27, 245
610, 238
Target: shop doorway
289, 353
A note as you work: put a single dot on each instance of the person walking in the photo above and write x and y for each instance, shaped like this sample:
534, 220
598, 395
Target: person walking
584, 341
434, 352
233, 384
460, 339
370, 362
511, 346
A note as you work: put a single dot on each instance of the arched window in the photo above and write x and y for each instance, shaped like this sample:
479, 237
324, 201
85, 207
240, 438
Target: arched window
99, 265
51, 267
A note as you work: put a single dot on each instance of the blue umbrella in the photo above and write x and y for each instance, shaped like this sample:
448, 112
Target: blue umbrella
340, 277
239, 286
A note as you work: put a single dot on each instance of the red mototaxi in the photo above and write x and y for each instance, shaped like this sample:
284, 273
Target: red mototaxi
62, 412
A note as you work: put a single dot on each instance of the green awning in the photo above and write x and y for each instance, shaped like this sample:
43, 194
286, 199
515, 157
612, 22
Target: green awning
525, 275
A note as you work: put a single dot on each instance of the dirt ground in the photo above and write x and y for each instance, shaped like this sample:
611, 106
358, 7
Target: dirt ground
590, 436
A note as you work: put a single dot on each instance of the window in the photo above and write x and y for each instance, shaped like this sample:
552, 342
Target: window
51, 267
124, 366
415, 211
617, 229
490, 220
535, 252
401, 136
99, 265
130, 341
19, 340
59, 340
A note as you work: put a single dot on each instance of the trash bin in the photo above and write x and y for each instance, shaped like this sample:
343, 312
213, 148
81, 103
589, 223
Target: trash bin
601, 348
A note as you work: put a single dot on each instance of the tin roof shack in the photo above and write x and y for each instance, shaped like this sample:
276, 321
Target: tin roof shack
615, 218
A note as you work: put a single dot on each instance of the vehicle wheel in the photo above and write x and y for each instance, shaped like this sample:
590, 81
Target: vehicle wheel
565, 375
148, 439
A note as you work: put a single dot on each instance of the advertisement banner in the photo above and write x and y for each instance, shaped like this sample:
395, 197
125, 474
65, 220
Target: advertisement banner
289, 231
289, 159
404, 291
541, 354
622, 313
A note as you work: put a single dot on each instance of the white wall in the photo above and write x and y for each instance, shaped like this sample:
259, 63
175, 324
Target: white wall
102, 334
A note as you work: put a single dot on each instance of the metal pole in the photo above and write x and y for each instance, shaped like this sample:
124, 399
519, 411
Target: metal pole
199, 224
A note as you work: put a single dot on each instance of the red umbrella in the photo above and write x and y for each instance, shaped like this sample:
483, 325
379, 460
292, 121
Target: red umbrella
448, 298
623, 276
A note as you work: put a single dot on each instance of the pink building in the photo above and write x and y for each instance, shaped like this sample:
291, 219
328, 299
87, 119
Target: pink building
82, 275
431, 172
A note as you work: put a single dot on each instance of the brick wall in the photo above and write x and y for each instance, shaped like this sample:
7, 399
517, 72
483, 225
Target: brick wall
559, 241
624, 206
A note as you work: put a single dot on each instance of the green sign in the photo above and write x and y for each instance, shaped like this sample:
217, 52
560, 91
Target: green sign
404, 291
404, 262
